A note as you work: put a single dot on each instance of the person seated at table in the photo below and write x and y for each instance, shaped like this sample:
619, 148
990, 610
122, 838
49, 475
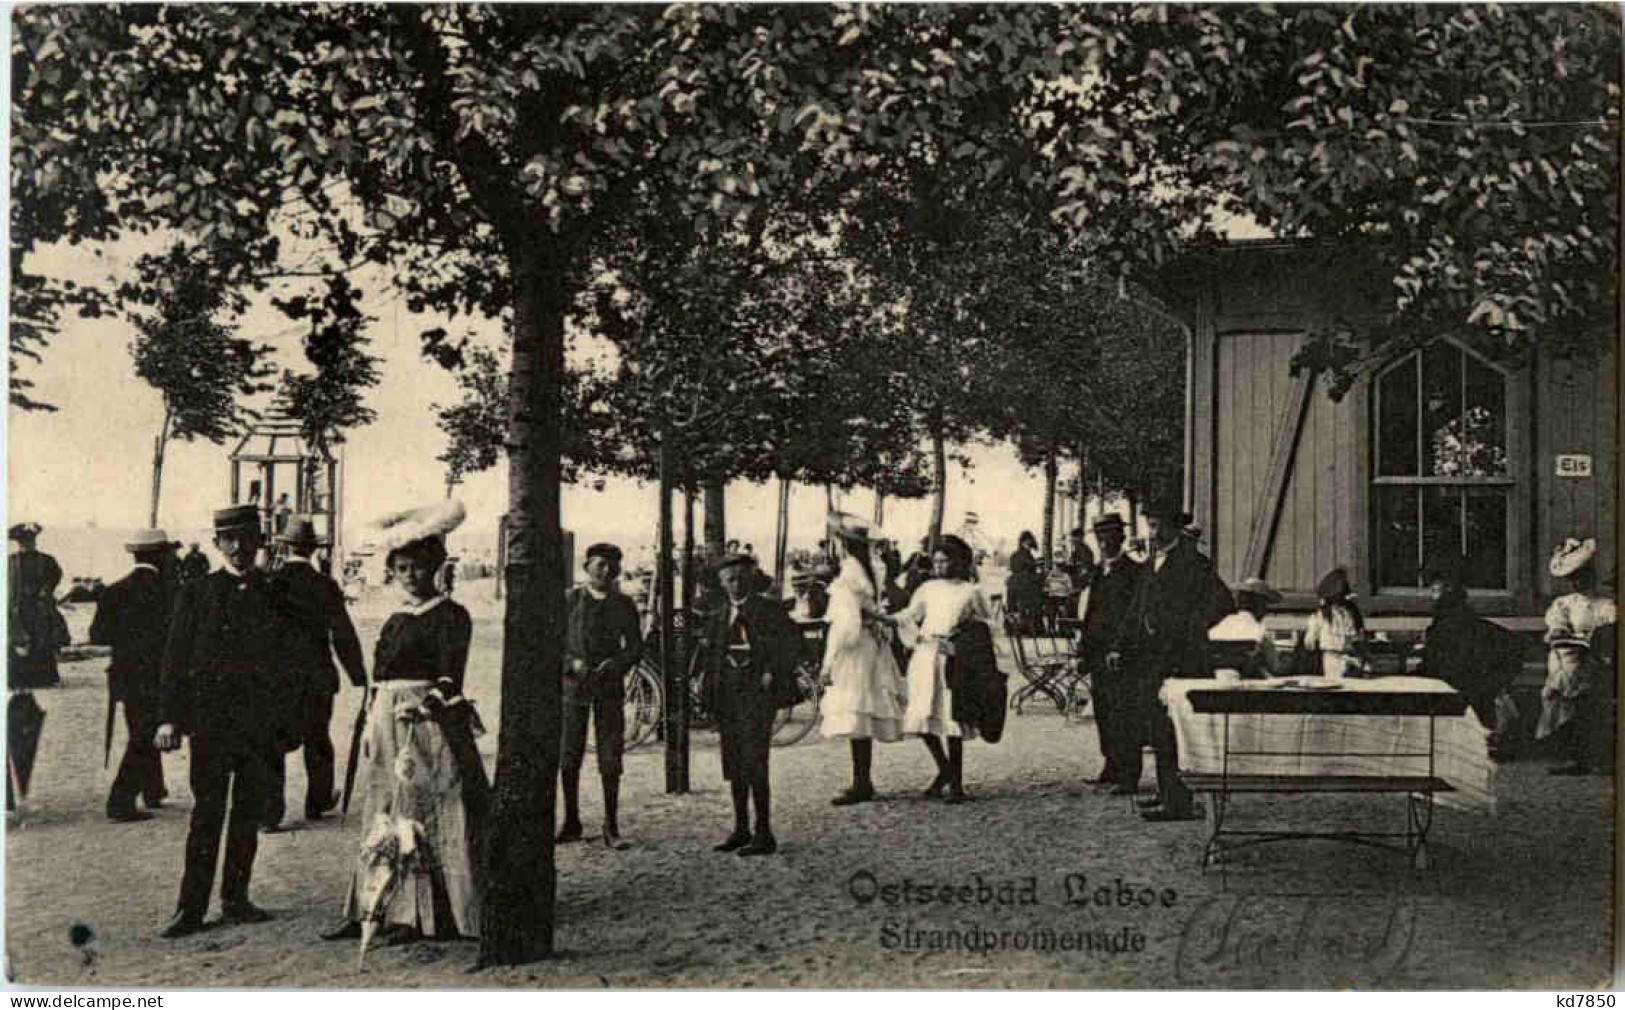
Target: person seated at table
1575, 676
1254, 597
1335, 633
1478, 658
811, 599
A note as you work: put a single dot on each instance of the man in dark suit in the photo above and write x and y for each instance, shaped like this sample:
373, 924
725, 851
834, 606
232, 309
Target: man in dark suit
132, 617
603, 640
749, 664
320, 627
224, 684
1165, 635
1102, 609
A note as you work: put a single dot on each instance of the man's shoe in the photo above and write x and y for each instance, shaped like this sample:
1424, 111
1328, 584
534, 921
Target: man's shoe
317, 811
1188, 813
853, 796
272, 827
568, 833
129, 816
155, 803
614, 842
244, 914
1105, 778
1149, 803
938, 786
349, 929
761, 845
737, 840
184, 923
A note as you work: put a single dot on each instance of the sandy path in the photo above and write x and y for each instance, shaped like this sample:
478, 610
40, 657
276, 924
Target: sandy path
1520, 898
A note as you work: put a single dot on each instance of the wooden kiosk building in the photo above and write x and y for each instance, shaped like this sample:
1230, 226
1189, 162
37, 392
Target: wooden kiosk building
1438, 449
276, 469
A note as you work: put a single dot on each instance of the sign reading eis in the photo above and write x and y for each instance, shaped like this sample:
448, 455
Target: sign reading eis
1574, 466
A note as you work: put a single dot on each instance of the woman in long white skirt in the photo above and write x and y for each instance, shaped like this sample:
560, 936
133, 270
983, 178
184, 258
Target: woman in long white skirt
863, 703
937, 609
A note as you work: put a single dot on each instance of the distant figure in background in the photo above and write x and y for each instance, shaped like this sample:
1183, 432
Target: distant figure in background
320, 627
1579, 661
750, 552
603, 640
1024, 589
1335, 633
280, 514
918, 570
133, 618
811, 600
34, 627
195, 565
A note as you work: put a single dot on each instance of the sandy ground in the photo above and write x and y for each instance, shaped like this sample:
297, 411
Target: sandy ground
1520, 898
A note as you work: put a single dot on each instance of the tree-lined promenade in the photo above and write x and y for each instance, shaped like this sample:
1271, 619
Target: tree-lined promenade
823, 244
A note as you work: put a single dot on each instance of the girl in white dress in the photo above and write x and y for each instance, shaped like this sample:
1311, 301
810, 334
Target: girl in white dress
863, 702
937, 608
1571, 623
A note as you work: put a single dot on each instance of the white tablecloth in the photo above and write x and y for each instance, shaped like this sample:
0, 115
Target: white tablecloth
1461, 743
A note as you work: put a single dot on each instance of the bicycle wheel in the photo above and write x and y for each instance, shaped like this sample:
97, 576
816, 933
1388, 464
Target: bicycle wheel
643, 704
792, 723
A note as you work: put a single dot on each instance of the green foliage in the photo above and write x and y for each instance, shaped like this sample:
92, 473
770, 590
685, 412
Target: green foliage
195, 362
331, 399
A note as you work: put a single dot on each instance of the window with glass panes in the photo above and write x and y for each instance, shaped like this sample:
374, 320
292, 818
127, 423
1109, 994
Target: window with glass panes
1442, 476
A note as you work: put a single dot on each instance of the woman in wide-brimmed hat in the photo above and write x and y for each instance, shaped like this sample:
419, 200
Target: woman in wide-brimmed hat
424, 788
1574, 623
863, 703
35, 628
1336, 630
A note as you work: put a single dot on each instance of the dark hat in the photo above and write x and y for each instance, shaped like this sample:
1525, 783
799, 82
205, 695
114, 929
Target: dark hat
608, 552
1334, 585
1109, 521
734, 561
23, 531
1170, 510
300, 532
236, 517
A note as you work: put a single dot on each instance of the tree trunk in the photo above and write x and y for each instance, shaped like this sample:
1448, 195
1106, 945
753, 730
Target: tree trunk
1051, 469
880, 510
673, 677
517, 924
716, 520
158, 445
939, 498
689, 570
1133, 515
781, 534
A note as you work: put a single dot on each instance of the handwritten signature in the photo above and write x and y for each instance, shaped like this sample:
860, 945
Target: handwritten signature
1258, 935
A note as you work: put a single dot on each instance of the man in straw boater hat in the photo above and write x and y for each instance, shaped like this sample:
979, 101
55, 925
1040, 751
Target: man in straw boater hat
1102, 607
320, 627
224, 685
749, 663
603, 640
1165, 635
132, 616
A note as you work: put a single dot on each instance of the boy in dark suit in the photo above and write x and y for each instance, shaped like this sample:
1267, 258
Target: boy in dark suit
749, 663
224, 685
319, 627
132, 616
603, 640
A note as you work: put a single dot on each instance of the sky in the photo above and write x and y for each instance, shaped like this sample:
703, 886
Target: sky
90, 462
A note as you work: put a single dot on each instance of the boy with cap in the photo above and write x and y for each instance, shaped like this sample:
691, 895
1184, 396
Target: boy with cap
602, 641
748, 660
132, 616
321, 627
223, 685
1101, 609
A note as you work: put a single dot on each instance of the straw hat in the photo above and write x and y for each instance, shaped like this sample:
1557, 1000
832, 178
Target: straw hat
147, 540
1572, 556
434, 520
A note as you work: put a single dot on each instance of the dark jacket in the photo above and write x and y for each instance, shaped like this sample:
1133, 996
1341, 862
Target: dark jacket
35, 628
978, 687
132, 616
1165, 629
225, 673
1024, 590
774, 646
1477, 657
596, 631
320, 626
1111, 595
